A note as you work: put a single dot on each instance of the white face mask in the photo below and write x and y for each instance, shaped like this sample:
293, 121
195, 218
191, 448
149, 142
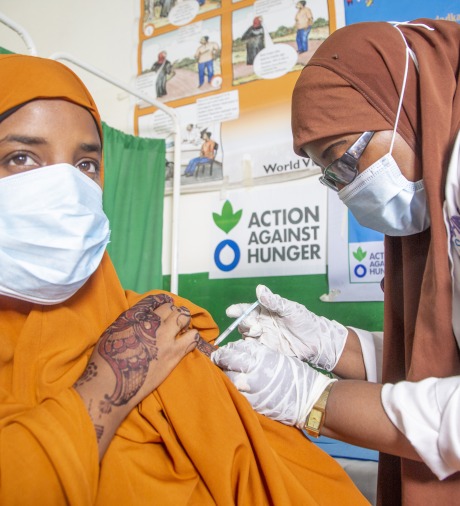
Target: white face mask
53, 233
382, 199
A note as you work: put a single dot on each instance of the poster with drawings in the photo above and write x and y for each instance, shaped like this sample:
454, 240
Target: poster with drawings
157, 14
235, 65
201, 150
273, 38
182, 63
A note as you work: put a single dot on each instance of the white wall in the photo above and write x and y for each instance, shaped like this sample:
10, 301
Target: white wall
102, 33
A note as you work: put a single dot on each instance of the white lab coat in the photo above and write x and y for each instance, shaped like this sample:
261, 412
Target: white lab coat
427, 412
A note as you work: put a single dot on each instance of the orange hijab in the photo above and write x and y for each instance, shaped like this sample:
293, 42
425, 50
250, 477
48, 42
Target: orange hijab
352, 84
195, 440
26, 78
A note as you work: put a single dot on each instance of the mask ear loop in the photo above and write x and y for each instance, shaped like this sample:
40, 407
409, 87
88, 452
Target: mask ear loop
403, 89
410, 53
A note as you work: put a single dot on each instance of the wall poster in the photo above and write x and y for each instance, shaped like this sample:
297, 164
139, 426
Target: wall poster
228, 69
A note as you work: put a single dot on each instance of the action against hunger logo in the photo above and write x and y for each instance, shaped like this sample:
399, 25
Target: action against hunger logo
360, 269
267, 235
368, 266
226, 222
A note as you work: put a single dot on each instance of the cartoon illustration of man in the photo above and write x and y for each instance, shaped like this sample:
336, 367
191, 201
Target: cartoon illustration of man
205, 55
303, 24
207, 153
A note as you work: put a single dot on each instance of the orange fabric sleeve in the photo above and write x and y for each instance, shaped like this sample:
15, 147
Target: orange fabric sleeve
49, 453
195, 440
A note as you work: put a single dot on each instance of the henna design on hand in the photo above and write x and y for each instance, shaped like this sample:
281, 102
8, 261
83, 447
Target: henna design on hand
129, 345
205, 347
183, 311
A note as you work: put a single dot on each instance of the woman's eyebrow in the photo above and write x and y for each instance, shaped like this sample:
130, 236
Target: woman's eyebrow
32, 141
23, 139
91, 148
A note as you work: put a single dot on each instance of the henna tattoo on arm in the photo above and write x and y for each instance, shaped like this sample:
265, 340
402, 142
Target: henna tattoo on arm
129, 345
99, 431
89, 373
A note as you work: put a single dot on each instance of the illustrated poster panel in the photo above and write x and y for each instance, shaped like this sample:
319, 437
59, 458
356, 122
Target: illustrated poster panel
228, 70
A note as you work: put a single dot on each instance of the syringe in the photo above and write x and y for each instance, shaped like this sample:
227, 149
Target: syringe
235, 323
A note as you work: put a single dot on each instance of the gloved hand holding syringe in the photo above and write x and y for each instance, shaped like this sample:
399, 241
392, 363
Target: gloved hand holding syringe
235, 323
289, 328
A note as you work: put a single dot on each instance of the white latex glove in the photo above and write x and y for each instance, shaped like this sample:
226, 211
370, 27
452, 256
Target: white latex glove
290, 328
280, 387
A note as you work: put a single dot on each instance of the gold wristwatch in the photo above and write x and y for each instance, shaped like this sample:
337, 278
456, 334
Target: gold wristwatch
315, 419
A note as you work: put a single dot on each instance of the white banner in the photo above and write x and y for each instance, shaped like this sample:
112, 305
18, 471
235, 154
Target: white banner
270, 231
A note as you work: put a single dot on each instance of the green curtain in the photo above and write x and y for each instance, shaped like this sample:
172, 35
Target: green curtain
134, 179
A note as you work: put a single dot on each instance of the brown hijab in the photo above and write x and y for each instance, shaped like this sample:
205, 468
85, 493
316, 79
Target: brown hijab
352, 84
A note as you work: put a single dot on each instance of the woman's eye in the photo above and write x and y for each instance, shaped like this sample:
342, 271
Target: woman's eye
22, 160
88, 167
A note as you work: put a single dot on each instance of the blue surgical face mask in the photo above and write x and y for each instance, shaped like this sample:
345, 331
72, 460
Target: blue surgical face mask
53, 233
382, 199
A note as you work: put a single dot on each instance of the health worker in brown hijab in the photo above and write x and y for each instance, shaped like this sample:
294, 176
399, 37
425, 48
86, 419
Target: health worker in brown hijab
378, 109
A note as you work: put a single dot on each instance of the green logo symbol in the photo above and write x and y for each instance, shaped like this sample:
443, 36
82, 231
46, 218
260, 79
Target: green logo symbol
359, 254
228, 219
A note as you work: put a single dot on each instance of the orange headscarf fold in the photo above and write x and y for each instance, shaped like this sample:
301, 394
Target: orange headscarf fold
26, 78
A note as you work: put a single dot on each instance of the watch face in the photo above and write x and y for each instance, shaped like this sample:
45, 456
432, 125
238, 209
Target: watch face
314, 420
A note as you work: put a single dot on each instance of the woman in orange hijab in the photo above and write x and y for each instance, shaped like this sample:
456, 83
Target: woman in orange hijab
378, 108
101, 403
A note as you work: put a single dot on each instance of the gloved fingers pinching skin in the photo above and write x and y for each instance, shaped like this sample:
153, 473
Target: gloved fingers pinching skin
235, 356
